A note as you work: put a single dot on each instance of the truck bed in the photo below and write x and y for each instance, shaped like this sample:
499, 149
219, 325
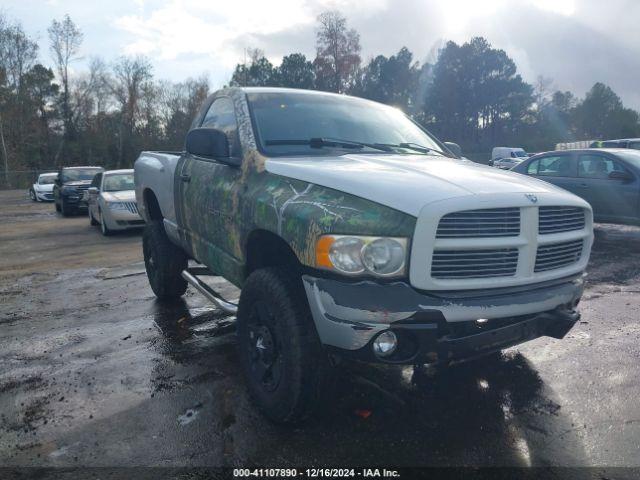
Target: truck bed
155, 172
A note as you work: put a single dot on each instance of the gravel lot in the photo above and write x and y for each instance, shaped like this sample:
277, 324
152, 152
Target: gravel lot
95, 372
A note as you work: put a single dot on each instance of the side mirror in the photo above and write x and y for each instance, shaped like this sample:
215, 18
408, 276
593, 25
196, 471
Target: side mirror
208, 143
618, 175
93, 190
454, 148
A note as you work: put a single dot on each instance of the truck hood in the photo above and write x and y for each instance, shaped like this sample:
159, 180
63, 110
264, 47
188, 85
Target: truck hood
405, 182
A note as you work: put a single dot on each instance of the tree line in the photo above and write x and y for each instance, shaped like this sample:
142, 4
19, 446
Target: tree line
471, 94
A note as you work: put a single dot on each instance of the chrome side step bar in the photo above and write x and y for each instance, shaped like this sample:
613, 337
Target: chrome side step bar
190, 276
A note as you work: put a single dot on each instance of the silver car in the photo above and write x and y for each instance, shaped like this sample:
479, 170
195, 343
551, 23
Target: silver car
112, 201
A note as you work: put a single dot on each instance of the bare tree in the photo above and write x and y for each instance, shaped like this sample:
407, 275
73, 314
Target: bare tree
338, 52
543, 88
130, 74
18, 54
65, 39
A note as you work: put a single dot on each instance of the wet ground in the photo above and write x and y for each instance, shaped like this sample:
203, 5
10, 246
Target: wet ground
95, 372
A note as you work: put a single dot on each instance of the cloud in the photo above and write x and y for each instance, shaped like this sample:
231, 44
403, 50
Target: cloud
575, 42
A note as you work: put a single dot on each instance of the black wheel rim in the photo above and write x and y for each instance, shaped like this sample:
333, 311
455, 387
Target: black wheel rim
265, 356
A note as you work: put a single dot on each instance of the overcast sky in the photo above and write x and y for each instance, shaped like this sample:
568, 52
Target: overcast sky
574, 42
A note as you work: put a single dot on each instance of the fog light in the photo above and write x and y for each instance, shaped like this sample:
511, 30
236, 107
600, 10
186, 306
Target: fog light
385, 344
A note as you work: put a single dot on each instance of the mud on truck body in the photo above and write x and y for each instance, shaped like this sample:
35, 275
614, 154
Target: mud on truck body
352, 232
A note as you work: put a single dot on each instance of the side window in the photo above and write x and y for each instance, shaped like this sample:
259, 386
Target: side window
597, 166
555, 166
221, 116
532, 168
635, 145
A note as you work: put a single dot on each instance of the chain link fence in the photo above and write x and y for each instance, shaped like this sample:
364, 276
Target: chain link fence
21, 179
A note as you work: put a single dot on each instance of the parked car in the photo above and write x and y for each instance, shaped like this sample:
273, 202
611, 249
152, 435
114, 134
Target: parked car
42, 190
506, 157
633, 143
353, 232
609, 179
111, 201
69, 188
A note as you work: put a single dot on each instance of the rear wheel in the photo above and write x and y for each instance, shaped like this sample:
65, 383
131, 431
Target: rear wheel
164, 262
284, 365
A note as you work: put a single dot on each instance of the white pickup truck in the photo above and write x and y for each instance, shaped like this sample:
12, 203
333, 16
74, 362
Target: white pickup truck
353, 232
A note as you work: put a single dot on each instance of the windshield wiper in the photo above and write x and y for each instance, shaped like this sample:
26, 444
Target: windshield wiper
319, 142
415, 147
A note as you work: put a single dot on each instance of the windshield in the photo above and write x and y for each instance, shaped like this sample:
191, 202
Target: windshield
520, 153
47, 180
282, 119
118, 181
75, 174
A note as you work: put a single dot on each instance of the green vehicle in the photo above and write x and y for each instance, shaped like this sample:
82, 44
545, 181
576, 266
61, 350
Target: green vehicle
354, 233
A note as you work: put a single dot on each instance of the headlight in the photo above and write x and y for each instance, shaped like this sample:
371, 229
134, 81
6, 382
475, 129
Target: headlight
116, 206
356, 255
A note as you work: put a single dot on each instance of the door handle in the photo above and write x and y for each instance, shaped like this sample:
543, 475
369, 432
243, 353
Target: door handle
185, 178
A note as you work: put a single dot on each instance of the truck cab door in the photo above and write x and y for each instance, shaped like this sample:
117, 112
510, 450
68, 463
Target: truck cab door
207, 189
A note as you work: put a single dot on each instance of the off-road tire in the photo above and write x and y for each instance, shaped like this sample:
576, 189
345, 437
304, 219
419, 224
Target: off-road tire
164, 262
302, 363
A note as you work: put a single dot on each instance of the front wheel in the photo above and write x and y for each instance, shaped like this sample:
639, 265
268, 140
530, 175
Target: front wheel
164, 262
92, 221
33, 196
104, 228
64, 209
284, 365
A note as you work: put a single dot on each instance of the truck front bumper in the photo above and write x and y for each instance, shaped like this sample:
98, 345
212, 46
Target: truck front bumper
436, 327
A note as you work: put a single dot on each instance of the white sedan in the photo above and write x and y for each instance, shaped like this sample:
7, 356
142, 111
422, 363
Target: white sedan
42, 190
112, 203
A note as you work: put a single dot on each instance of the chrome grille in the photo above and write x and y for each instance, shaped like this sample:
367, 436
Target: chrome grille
132, 207
558, 255
560, 219
487, 222
451, 264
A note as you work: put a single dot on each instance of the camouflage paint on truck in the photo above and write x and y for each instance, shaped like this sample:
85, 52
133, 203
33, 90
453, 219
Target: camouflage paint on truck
225, 204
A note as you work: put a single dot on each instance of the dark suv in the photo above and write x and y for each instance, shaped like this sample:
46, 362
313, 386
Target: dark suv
69, 188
